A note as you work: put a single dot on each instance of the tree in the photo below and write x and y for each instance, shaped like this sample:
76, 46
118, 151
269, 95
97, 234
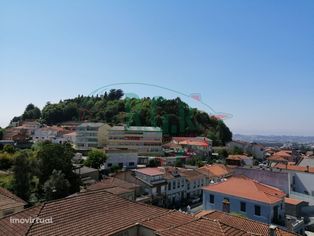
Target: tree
56, 157
96, 158
178, 163
154, 163
237, 151
8, 148
6, 161
22, 176
31, 112
57, 186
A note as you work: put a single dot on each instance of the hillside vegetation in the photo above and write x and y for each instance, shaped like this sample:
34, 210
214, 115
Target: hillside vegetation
174, 116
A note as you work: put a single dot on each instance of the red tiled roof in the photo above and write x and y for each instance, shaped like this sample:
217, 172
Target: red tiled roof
294, 168
248, 225
194, 143
150, 171
110, 182
10, 229
8, 200
237, 157
217, 170
102, 213
89, 213
201, 227
292, 201
277, 158
247, 188
167, 220
190, 174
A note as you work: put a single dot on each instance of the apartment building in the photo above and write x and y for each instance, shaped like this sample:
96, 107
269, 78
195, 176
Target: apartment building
91, 135
146, 140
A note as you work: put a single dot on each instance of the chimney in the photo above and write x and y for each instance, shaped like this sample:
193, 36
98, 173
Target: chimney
272, 230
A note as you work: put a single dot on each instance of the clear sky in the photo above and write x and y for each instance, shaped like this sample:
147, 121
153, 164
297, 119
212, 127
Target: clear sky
253, 59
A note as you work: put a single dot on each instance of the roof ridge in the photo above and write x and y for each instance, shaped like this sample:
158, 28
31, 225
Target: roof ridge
29, 228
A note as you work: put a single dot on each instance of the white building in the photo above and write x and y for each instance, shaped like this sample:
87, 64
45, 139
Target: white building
146, 140
121, 158
54, 134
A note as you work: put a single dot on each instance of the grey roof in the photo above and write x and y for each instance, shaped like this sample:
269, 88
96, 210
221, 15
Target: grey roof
137, 128
91, 124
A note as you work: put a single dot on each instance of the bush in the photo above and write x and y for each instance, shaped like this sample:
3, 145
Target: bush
8, 148
6, 161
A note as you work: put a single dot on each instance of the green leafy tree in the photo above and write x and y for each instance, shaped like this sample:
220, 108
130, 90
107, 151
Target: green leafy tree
6, 161
237, 151
8, 148
57, 186
95, 158
31, 112
154, 163
56, 157
22, 176
178, 163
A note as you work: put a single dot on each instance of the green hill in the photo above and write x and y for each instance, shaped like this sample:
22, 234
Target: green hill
174, 116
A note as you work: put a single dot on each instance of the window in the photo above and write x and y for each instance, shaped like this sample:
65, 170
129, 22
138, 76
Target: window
131, 163
257, 210
109, 164
243, 206
212, 198
169, 186
174, 185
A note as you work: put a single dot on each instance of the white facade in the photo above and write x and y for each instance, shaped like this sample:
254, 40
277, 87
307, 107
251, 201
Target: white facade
146, 140
127, 159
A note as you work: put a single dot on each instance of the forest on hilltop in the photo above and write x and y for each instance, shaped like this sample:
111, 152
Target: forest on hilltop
174, 116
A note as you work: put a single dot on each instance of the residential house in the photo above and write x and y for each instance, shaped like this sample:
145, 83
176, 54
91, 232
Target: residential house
146, 140
155, 183
239, 160
194, 182
87, 175
102, 213
200, 146
53, 134
91, 135
246, 196
215, 172
10, 203
123, 158
255, 149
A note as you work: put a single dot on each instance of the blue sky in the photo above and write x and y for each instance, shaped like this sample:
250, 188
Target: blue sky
253, 59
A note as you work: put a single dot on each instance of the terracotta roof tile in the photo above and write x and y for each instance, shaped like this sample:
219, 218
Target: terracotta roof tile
247, 188
150, 171
111, 182
292, 201
217, 170
248, 225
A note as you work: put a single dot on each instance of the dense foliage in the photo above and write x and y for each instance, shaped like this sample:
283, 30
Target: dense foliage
44, 172
174, 116
96, 158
